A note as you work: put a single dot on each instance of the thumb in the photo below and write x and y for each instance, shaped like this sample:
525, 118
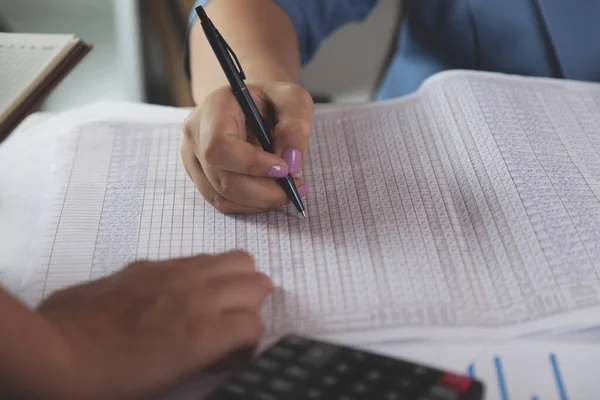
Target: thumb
293, 108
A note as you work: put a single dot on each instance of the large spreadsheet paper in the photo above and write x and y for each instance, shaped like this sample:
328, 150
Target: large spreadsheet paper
470, 208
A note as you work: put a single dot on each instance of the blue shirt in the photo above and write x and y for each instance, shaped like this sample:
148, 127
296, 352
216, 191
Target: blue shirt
547, 38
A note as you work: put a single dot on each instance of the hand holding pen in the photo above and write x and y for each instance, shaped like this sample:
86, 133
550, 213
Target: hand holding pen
242, 164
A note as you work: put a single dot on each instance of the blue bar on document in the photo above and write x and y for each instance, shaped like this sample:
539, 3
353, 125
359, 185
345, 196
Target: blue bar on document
557, 377
471, 370
501, 379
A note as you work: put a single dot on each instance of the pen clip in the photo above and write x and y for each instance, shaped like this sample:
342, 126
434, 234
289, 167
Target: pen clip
232, 54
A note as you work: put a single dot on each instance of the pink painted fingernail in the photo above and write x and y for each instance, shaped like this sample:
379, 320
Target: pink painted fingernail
278, 171
293, 158
303, 190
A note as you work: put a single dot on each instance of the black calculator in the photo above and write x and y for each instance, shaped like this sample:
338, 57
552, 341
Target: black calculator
299, 368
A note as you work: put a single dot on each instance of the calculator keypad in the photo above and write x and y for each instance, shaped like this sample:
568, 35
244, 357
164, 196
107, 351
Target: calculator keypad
297, 368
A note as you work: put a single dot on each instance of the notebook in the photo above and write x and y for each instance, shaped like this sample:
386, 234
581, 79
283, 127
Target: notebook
468, 209
32, 66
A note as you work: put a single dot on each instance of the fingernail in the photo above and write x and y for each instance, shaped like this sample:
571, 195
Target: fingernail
303, 190
293, 158
277, 171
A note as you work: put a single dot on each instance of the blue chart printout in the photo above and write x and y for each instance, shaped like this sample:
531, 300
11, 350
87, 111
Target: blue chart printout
515, 370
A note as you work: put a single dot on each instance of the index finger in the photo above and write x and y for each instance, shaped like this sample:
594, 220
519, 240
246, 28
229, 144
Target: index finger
222, 141
228, 263
294, 110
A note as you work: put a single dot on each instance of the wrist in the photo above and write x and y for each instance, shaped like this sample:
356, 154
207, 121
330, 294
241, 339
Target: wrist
53, 372
255, 74
35, 359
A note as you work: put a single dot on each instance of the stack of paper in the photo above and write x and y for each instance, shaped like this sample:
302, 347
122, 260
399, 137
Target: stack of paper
469, 209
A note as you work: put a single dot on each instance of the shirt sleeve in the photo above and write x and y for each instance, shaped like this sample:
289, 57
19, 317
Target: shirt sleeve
186, 44
315, 20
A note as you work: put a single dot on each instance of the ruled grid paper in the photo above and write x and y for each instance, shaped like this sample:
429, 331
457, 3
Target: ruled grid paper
468, 209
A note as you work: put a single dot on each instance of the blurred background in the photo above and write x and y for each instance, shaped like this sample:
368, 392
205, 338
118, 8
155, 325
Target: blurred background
137, 50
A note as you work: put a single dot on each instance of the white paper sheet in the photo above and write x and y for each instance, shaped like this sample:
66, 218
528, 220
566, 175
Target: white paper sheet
27, 162
468, 209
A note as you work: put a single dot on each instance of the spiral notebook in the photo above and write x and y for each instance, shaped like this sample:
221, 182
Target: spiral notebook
32, 66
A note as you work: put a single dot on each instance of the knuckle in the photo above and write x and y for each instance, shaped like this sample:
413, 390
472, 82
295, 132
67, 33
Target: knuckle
277, 202
304, 97
218, 291
249, 328
188, 126
303, 127
164, 303
212, 152
197, 330
220, 203
297, 127
223, 186
298, 93
252, 163
244, 258
215, 200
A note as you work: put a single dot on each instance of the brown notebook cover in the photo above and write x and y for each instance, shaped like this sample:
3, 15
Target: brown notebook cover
35, 96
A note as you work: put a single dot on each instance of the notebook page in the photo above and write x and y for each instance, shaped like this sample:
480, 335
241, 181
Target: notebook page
415, 228
23, 58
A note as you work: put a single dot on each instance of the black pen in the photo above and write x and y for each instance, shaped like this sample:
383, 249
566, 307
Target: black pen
235, 75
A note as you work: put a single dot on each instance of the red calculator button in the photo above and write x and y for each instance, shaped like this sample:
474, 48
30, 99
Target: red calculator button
459, 383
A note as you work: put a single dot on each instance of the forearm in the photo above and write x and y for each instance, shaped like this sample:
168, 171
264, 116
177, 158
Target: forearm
33, 361
259, 32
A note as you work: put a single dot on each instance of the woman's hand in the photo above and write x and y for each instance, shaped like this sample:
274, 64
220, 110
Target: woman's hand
226, 162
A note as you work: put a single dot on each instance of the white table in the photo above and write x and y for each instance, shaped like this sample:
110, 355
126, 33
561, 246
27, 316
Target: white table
25, 160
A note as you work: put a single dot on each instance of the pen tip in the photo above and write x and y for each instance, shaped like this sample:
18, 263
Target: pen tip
304, 214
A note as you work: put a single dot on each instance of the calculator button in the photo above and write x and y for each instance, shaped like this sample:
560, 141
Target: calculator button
281, 385
295, 341
343, 368
443, 393
233, 388
393, 395
425, 375
250, 377
358, 356
319, 355
265, 396
330, 380
460, 383
281, 352
314, 394
297, 372
405, 384
373, 375
391, 365
360, 388
266, 364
